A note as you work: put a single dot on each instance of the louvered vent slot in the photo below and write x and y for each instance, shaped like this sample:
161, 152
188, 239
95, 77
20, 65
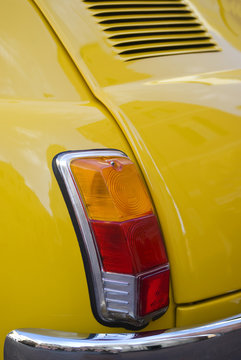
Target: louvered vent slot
146, 28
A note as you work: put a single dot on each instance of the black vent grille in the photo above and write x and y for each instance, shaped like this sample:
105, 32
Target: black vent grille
146, 28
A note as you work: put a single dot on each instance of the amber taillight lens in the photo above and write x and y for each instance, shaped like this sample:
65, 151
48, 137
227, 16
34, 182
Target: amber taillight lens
111, 188
130, 255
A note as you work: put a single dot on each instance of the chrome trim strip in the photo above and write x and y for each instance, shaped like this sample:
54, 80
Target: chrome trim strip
216, 335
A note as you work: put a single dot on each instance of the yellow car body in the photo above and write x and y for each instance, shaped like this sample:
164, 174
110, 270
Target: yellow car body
63, 87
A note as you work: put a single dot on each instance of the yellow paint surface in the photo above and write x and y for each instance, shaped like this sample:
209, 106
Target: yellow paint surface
208, 311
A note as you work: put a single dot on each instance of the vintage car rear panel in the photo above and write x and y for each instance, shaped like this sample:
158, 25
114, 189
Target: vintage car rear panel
45, 108
181, 116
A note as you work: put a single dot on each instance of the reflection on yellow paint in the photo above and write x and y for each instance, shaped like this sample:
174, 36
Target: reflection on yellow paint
191, 154
219, 78
33, 63
224, 16
118, 72
219, 90
230, 11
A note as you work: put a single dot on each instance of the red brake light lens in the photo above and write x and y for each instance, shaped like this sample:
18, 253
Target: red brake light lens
130, 247
121, 235
153, 291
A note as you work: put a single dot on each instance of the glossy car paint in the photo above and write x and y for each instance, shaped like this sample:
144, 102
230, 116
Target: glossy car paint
181, 116
46, 107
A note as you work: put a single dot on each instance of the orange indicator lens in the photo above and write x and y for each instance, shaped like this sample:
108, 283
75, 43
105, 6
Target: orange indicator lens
112, 188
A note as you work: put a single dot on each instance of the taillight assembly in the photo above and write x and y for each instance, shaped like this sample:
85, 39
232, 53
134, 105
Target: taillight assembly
119, 235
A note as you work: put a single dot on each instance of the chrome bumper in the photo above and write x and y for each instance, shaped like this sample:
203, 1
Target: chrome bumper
218, 340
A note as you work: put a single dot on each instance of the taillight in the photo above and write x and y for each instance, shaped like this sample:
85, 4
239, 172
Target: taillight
119, 234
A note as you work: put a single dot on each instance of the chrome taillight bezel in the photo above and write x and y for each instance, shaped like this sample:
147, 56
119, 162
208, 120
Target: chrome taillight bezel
113, 296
